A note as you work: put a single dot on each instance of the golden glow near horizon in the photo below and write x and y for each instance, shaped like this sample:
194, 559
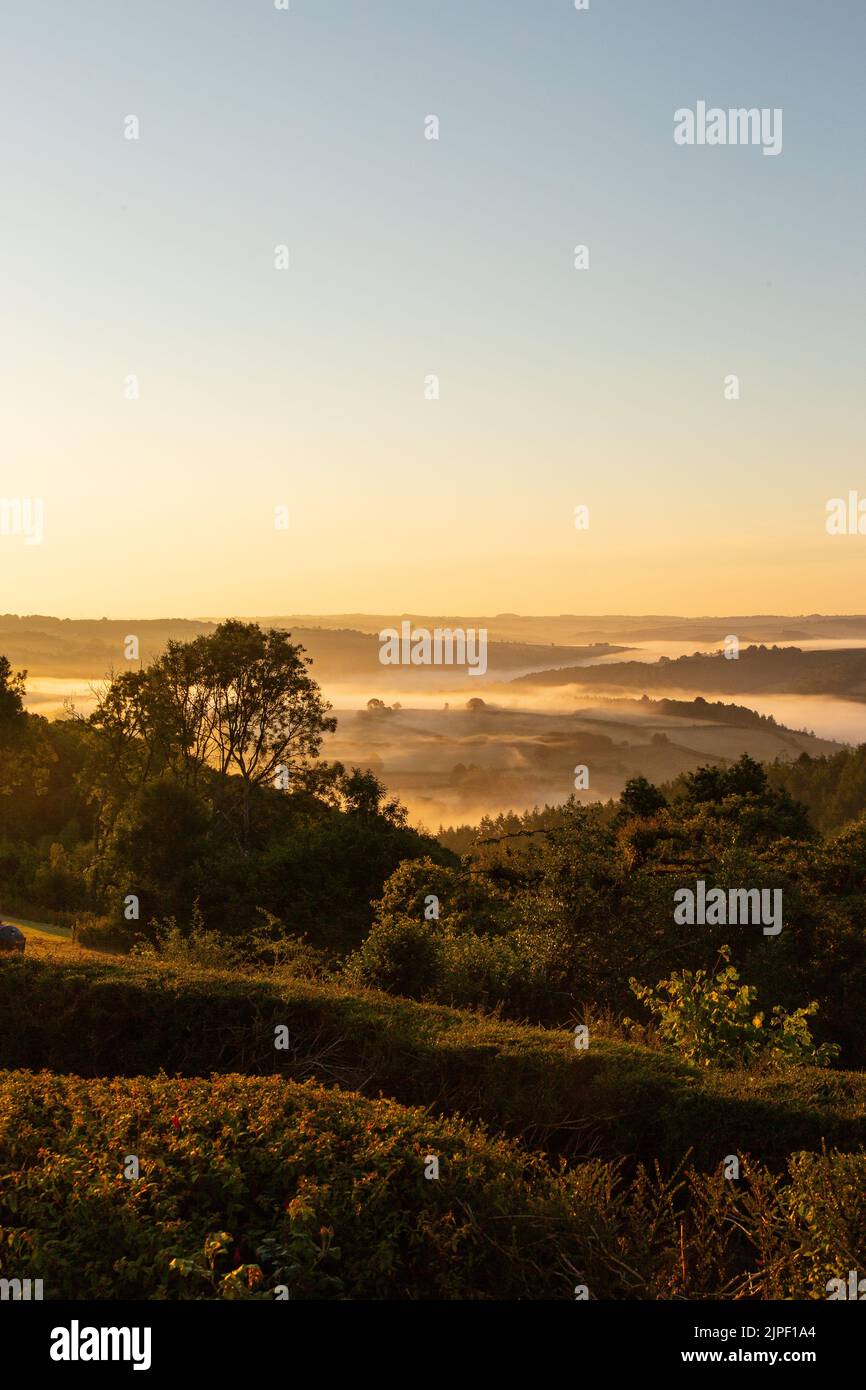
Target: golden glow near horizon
439, 542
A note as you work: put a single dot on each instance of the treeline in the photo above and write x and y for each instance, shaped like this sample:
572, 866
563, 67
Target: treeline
460, 839
781, 670
740, 716
196, 779
833, 788
553, 914
195, 792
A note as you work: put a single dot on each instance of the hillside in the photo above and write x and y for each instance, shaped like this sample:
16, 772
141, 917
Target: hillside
89, 649
280, 1043
456, 763
259, 1188
68, 1012
758, 670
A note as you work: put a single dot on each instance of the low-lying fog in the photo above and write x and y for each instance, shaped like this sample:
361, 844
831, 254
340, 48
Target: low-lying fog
449, 764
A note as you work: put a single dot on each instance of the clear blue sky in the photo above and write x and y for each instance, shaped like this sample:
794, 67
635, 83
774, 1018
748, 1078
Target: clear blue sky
411, 257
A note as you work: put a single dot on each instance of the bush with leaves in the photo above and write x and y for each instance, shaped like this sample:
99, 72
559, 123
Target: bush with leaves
401, 955
193, 945
711, 1019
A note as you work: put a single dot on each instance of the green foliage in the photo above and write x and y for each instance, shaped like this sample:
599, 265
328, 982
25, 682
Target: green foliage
142, 849
251, 898
474, 951
270, 945
247, 1183
239, 699
742, 797
12, 687
100, 933
137, 1017
712, 1019
822, 1215
197, 779
192, 945
594, 889
399, 955
833, 788
464, 902
640, 798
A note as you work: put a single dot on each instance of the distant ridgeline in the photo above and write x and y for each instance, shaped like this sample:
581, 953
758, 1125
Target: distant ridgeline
47, 646
759, 669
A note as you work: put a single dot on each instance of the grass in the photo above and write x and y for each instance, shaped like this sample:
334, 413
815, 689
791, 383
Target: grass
42, 932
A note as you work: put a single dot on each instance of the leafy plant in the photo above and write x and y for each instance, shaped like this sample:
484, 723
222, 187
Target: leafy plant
712, 1019
194, 946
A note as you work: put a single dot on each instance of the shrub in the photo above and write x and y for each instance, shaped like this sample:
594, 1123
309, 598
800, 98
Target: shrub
269, 945
712, 1019
400, 955
194, 945
79, 1014
100, 933
823, 1216
247, 1183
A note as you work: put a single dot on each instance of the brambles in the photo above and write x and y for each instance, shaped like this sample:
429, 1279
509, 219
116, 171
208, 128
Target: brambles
322, 1190
264, 1184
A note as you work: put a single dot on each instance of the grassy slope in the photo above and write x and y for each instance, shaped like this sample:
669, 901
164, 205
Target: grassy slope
76, 1013
40, 931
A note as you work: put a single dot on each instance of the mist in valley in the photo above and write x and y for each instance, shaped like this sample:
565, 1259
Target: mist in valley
455, 747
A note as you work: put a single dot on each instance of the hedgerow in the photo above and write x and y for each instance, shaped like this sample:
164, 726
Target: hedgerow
128, 1018
255, 1187
246, 1183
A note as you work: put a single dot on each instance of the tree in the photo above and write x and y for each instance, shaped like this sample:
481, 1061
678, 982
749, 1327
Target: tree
361, 793
11, 690
741, 798
141, 855
238, 701
639, 798
265, 714
745, 777
25, 753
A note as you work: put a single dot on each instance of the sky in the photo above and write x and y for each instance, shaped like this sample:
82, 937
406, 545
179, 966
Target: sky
148, 266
